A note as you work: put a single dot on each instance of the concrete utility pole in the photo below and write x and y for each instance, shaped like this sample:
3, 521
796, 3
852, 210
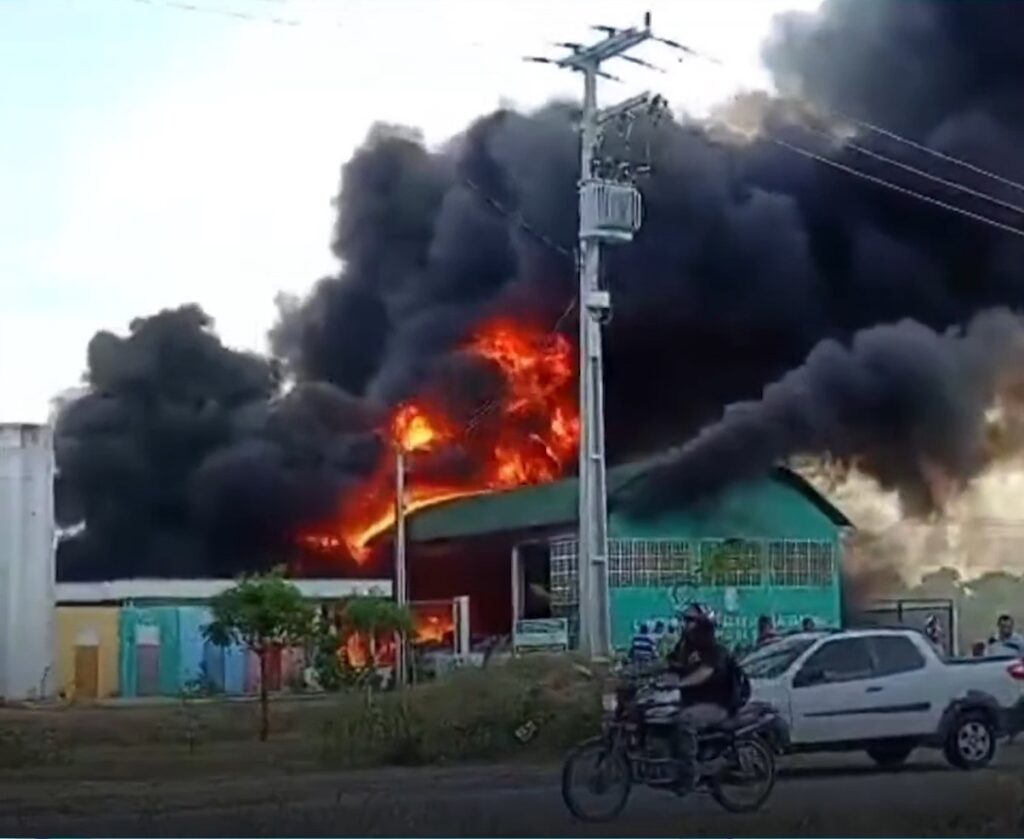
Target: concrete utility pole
609, 211
401, 588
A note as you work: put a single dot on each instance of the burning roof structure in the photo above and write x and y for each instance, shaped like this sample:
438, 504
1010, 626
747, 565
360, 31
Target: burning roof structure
528, 434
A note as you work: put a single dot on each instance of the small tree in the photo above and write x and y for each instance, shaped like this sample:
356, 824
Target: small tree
263, 612
372, 617
326, 657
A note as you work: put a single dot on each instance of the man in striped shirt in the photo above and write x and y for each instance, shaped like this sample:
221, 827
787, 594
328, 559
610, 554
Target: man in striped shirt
643, 648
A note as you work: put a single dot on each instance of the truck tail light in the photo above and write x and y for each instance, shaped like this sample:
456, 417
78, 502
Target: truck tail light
1016, 670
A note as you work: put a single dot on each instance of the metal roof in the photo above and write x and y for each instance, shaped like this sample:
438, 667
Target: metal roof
541, 505
114, 591
554, 504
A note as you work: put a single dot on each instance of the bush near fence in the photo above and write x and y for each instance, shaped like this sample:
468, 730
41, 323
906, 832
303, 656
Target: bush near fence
534, 706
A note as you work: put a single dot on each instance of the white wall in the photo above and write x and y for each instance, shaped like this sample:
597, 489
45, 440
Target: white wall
27, 549
116, 591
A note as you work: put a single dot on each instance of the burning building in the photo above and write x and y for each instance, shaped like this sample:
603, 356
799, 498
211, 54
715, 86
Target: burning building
768, 546
491, 518
527, 433
770, 306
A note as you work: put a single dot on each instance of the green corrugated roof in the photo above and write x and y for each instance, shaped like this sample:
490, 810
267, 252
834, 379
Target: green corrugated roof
543, 505
549, 505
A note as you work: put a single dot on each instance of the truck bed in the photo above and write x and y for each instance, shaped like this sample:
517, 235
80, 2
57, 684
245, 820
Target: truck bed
960, 661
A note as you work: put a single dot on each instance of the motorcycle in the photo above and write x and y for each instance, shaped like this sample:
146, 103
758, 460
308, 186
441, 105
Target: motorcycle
735, 760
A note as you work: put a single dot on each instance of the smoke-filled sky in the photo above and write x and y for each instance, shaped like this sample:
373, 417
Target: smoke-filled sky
846, 319
151, 155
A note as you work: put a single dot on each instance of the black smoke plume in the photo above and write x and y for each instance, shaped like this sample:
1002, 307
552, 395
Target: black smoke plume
749, 258
906, 403
185, 459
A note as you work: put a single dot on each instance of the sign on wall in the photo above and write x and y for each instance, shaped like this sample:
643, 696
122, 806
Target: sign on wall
540, 634
738, 608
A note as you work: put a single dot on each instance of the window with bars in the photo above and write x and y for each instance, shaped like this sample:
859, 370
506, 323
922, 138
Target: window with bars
732, 562
564, 559
649, 562
800, 563
668, 562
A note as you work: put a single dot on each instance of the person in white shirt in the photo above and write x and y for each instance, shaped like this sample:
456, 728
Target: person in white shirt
1006, 641
933, 632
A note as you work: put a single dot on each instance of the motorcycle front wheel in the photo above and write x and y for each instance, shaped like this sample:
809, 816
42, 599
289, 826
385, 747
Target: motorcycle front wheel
748, 779
596, 781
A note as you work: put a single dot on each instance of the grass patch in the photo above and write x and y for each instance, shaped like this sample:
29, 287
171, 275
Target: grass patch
536, 706
533, 707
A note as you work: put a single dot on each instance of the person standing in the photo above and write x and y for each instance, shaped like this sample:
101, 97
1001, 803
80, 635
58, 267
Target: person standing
643, 648
765, 630
1006, 641
933, 632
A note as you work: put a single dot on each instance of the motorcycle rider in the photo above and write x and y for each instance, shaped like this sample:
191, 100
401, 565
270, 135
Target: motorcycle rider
703, 667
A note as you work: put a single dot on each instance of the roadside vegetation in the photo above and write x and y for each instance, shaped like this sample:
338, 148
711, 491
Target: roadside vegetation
530, 708
168, 760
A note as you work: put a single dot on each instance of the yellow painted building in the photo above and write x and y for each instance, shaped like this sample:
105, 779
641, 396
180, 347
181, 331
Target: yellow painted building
88, 645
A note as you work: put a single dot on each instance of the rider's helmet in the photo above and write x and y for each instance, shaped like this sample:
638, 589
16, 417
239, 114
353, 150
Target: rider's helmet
697, 615
931, 625
698, 612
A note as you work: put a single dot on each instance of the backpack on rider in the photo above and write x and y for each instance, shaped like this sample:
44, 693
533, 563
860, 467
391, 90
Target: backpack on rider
739, 685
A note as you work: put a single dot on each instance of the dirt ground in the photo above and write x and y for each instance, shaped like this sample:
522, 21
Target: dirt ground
172, 770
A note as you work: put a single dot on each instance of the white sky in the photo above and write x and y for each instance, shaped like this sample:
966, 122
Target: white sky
151, 156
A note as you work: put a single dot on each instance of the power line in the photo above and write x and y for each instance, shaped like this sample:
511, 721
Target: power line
889, 185
892, 135
487, 408
517, 218
220, 11
882, 181
928, 175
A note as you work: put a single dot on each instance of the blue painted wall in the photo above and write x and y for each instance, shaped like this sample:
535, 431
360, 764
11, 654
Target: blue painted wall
185, 657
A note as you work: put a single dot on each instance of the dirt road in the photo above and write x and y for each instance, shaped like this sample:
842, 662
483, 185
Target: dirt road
822, 796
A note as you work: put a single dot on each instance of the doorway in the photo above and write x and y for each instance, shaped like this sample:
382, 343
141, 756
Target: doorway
87, 665
147, 660
532, 568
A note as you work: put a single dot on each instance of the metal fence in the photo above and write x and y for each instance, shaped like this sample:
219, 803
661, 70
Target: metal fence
914, 613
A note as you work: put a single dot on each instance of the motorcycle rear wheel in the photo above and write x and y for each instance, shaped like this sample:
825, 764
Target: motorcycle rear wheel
607, 777
753, 771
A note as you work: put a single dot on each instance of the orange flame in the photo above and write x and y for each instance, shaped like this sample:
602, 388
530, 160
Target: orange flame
356, 651
434, 622
528, 437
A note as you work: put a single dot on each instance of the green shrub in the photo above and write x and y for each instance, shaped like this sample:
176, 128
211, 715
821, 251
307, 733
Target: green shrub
472, 715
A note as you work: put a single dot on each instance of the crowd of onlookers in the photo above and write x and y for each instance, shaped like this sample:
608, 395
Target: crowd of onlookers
654, 639
1004, 641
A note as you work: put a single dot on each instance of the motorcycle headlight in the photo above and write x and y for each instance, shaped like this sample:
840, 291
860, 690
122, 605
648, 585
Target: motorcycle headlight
609, 702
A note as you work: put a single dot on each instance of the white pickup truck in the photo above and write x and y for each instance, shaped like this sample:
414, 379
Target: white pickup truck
886, 692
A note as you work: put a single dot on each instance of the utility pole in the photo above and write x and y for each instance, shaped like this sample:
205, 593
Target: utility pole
401, 588
609, 211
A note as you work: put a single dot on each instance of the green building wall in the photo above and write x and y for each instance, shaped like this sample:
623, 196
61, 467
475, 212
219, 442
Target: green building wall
766, 509
787, 540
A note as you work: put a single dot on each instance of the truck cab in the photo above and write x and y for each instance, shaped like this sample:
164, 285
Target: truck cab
887, 691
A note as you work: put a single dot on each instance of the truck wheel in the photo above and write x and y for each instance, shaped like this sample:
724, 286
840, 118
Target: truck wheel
890, 755
971, 742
